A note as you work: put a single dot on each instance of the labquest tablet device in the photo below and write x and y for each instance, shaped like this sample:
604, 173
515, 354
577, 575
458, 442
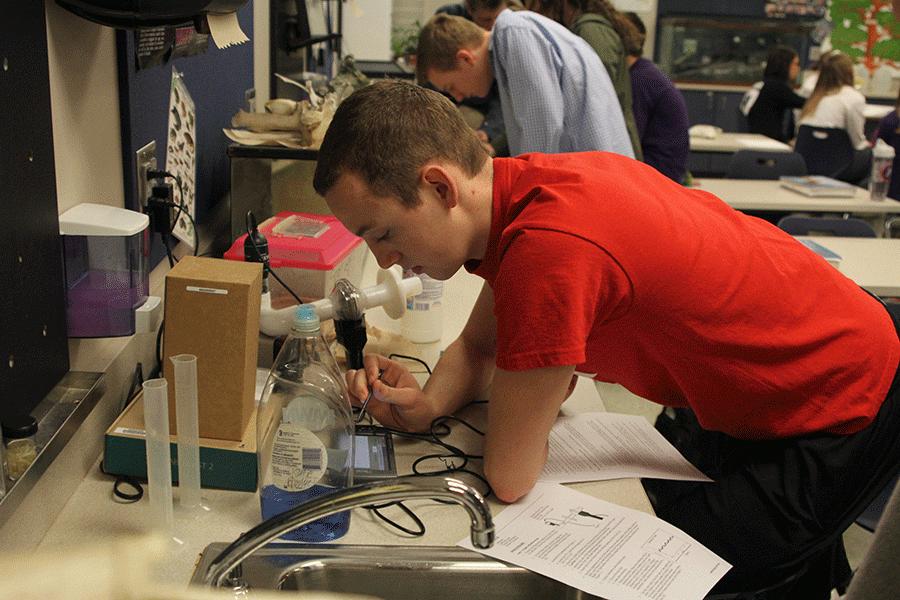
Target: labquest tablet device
374, 455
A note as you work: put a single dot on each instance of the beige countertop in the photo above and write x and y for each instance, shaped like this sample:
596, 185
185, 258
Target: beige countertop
93, 513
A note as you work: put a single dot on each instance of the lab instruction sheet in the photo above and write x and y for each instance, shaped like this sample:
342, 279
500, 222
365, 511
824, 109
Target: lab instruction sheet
600, 446
601, 548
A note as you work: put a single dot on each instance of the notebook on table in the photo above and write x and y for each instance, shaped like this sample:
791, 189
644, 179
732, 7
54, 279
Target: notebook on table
818, 186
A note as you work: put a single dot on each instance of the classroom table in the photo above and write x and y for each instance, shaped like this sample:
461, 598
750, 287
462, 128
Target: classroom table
729, 143
710, 156
769, 195
876, 112
873, 263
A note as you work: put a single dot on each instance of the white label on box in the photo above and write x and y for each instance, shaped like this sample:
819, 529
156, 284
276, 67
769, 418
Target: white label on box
128, 431
205, 290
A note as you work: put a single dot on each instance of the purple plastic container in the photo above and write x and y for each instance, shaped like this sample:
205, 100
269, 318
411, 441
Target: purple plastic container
106, 269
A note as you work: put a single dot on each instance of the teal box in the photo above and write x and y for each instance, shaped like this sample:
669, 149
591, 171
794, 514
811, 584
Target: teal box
224, 464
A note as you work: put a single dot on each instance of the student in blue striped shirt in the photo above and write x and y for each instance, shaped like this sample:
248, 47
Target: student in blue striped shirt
555, 92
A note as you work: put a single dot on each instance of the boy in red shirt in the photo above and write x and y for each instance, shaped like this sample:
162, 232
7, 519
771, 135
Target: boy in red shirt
596, 264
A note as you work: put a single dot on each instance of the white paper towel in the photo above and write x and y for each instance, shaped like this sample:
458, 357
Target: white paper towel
225, 30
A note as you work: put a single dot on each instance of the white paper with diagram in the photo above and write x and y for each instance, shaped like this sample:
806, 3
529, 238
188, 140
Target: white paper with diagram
601, 548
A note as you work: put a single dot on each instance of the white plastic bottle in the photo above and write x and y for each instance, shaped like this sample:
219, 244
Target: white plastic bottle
305, 430
423, 321
882, 163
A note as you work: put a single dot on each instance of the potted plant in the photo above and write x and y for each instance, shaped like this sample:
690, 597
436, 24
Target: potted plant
404, 41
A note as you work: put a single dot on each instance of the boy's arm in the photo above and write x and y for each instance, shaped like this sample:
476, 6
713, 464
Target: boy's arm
522, 407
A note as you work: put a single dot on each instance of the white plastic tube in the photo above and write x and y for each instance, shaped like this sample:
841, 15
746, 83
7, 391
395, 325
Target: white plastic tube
390, 292
188, 430
159, 470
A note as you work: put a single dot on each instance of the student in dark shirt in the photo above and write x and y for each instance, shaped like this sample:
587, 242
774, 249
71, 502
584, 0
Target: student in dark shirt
660, 112
771, 113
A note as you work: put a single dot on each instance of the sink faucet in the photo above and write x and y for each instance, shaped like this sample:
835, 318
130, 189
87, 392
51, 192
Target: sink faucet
401, 488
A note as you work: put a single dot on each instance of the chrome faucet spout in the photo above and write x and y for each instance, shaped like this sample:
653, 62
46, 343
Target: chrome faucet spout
401, 488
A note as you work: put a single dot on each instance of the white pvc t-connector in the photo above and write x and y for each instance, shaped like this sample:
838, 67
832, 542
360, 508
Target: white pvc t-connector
390, 292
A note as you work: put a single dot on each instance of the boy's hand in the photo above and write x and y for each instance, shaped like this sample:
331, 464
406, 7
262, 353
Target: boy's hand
397, 400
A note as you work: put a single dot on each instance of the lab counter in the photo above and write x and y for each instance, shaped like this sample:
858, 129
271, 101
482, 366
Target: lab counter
93, 513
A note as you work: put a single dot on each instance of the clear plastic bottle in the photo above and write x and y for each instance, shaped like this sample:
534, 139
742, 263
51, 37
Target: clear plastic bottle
882, 161
305, 430
423, 320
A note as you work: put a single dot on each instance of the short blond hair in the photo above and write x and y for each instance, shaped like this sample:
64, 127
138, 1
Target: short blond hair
442, 37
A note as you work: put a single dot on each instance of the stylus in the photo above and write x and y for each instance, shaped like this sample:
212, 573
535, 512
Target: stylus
362, 409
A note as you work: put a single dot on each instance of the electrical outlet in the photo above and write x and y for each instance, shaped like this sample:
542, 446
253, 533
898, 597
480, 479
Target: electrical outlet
146, 161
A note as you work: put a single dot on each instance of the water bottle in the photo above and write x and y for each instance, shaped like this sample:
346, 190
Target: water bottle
305, 431
882, 162
423, 320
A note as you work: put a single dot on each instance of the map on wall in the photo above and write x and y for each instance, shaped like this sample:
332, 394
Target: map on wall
867, 31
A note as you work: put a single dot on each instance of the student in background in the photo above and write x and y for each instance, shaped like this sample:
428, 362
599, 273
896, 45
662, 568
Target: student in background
487, 119
555, 91
605, 30
770, 114
889, 131
660, 113
779, 375
834, 102
481, 12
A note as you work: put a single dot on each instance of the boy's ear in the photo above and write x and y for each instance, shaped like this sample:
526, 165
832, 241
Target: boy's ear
465, 56
444, 186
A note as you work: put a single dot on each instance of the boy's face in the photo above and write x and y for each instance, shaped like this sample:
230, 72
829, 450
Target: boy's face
415, 238
472, 77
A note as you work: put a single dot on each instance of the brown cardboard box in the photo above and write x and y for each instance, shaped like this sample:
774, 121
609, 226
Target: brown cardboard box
212, 312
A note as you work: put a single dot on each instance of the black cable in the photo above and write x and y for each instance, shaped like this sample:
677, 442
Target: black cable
376, 509
413, 358
180, 205
157, 370
265, 261
437, 429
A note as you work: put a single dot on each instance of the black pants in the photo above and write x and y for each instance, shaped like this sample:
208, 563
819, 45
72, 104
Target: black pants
776, 510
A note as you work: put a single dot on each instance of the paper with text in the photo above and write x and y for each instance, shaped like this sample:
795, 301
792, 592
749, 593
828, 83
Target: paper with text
598, 446
602, 549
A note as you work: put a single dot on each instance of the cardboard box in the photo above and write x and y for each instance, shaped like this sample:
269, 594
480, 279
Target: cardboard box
212, 312
310, 253
224, 464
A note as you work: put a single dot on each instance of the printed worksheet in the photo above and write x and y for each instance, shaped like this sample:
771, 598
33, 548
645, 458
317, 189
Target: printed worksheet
599, 446
602, 549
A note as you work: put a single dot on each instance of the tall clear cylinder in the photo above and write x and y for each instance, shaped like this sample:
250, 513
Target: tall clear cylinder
305, 430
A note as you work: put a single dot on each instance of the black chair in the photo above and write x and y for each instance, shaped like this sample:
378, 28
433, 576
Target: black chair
763, 164
850, 227
828, 151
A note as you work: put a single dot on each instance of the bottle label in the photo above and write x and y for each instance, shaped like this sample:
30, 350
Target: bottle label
299, 458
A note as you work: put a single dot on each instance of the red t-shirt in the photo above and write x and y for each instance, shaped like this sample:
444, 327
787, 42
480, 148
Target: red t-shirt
599, 261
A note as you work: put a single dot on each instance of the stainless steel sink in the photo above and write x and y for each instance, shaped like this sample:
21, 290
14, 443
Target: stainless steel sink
391, 572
